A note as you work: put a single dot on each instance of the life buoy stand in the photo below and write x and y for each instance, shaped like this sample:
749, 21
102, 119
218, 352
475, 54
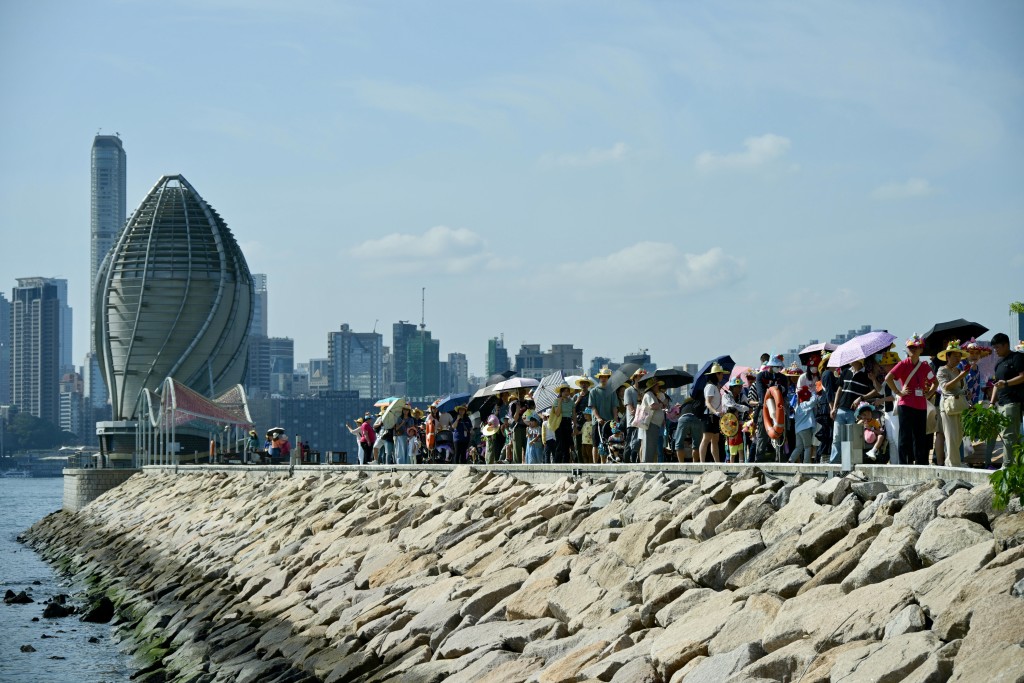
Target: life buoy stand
774, 413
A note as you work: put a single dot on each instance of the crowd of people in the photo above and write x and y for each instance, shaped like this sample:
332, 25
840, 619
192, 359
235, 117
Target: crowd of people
907, 409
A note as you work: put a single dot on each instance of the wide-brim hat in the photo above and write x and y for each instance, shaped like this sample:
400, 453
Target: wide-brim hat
890, 358
360, 420
824, 361
411, 431
652, 380
531, 415
417, 413
776, 361
793, 371
716, 369
490, 429
557, 389
976, 346
915, 341
951, 347
462, 407
580, 381
603, 372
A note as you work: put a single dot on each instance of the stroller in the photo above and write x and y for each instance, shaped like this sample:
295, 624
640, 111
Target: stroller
444, 448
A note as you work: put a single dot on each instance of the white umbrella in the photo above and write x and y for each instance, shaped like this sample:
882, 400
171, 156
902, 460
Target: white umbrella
513, 384
389, 418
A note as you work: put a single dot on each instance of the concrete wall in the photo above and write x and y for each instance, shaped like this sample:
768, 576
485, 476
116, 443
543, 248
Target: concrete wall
891, 475
82, 486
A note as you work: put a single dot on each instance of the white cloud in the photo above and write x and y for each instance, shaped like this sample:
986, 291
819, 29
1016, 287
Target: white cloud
438, 250
592, 157
914, 187
758, 151
666, 269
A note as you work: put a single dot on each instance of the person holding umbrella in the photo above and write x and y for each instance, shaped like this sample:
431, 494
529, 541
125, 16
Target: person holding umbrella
714, 411
652, 410
917, 381
854, 385
953, 386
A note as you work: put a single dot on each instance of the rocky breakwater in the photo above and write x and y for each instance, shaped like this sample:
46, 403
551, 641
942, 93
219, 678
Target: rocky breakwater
479, 577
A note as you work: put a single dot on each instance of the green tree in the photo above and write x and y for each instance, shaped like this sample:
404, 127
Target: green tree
27, 432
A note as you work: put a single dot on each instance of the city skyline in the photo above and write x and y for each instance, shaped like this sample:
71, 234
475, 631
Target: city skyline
768, 173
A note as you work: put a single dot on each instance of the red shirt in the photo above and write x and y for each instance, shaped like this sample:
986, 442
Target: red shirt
916, 387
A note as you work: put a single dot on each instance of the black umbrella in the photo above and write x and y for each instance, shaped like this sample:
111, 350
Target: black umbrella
818, 350
544, 395
672, 377
499, 377
697, 389
940, 334
622, 375
482, 401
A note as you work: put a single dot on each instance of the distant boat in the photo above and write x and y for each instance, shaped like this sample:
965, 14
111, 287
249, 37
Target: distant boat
16, 474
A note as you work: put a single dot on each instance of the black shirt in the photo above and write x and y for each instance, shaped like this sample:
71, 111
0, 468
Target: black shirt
1006, 369
854, 385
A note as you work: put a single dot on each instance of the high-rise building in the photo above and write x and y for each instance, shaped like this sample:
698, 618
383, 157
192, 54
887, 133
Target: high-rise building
269, 358
5, 350
260, 311
319, 374
458, 373
641, 358
109, 208
497, 356
533, 363
423, 371
36, 318
72, 404
401, 333
355, 360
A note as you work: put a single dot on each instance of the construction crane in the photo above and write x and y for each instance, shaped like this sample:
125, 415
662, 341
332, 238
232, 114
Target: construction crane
423, 308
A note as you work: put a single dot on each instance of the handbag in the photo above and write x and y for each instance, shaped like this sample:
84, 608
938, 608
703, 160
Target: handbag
953, 404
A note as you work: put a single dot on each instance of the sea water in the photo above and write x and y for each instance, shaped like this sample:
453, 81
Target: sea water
64, 653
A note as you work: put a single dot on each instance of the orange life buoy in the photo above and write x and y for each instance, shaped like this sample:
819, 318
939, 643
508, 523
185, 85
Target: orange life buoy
774, 412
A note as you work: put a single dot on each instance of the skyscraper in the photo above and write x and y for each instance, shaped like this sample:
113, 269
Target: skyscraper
109, 202
497, 356
5, 350
423, 370
355, 360
36, 316
458, 372
401, 333
259, 306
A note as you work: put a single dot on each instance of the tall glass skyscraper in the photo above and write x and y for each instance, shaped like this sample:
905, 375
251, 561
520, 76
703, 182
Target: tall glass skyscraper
37, 314
108, 212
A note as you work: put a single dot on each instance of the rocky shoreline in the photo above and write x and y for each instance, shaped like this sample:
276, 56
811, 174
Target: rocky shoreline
477, 576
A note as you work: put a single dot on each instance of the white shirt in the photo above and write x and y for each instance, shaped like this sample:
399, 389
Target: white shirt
713, 398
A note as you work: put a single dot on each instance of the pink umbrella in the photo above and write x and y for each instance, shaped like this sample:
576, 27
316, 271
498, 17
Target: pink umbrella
740, 371
860, 347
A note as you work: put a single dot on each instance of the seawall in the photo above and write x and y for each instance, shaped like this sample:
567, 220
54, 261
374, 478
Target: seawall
481, 576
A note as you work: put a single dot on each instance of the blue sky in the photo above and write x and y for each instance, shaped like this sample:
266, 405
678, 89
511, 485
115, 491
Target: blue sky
691, 178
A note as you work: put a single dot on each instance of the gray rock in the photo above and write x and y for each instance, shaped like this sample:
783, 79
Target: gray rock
784, 581
826, 530
712, 562
869, 490
908, 620
890, 554
833, 491
718, 668
751, 513
886, 662
945, 537
920, 510
965, 505
778, 554
639, 670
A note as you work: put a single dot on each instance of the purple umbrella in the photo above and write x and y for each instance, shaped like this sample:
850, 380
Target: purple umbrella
860, 347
